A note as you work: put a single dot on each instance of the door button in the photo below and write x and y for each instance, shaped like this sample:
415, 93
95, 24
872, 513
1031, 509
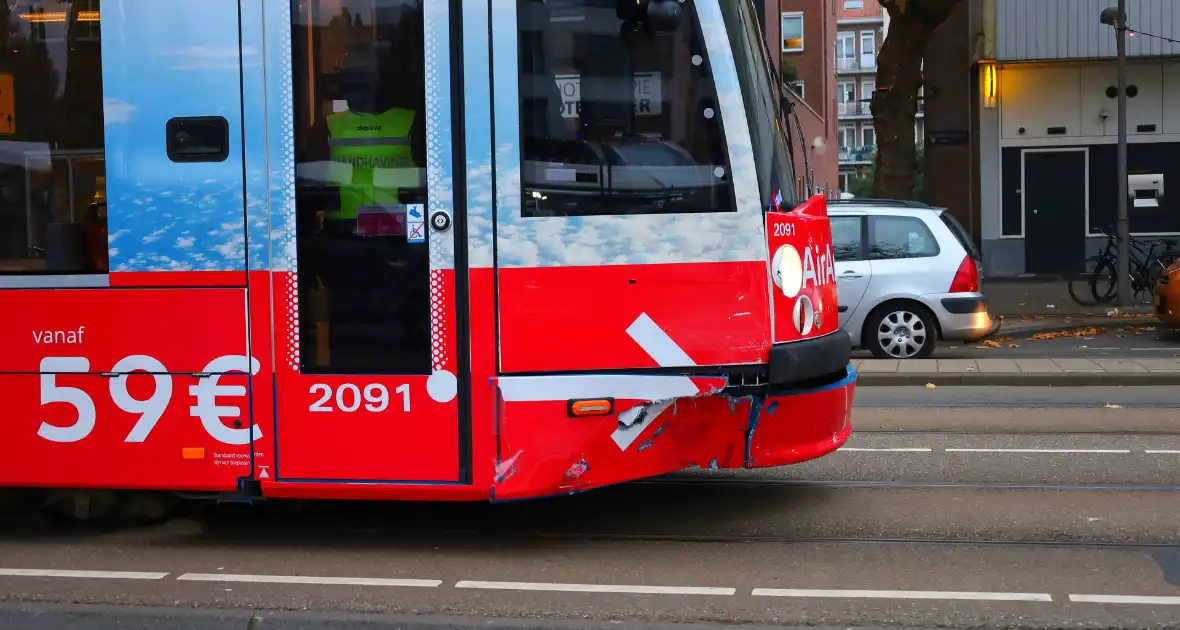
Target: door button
440, 221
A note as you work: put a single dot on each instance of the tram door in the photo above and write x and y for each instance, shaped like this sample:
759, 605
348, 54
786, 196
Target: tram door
364, 307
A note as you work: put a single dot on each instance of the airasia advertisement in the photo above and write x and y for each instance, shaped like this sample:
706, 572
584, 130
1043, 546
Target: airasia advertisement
803, 269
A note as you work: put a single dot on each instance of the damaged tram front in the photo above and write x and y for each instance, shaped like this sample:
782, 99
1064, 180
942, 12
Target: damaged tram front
405, 249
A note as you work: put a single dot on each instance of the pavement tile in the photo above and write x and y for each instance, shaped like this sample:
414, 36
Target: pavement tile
1077, 365
1160, 365
997, 365
1120, 366
879, 365
957, 366
917, 366
1038, 365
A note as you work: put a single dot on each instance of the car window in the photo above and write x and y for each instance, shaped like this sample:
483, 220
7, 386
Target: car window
900, 237
847, 243
961, 234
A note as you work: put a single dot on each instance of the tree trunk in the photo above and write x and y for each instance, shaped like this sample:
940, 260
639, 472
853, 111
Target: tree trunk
895, 103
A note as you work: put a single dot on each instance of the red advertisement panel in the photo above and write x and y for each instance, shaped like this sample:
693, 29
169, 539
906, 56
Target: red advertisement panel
108, 397
634, 316
131, 431
176, 330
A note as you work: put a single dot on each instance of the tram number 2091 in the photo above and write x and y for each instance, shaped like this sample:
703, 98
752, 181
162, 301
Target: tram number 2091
348, 397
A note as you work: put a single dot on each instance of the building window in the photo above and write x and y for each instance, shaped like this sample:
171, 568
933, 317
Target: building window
792, 28
847, 137
846, 98
867, 87
585, 151
53, 218
868, 136
868, 50
797, 87
845, 51
853, 5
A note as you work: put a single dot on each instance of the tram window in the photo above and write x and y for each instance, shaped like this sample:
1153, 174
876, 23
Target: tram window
585, 150
52, 169
360, 144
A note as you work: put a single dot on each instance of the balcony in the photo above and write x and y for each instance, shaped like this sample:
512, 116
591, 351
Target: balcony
860, 154
854, 110
864, 109
852, 65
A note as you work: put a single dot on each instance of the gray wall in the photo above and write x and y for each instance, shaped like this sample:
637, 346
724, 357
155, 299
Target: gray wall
1035, 30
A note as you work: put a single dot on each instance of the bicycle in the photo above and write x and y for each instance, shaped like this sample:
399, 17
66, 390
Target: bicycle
1099, 272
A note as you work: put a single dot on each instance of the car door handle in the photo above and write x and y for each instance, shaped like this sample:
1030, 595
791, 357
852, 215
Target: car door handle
850, 274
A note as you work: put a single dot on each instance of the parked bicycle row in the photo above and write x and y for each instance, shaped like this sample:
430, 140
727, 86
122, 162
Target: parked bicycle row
1097, 280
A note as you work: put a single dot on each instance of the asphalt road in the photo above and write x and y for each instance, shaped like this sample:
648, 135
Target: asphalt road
985, 399
1136, 342
938, 513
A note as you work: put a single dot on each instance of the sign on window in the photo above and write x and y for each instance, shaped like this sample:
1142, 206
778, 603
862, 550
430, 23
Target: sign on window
648, 94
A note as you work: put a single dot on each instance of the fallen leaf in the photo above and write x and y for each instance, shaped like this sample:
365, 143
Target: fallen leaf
1113, 406
930, 386
989, 343
1075, 333
1013, 345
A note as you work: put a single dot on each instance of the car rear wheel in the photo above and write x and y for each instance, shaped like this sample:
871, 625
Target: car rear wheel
901, 331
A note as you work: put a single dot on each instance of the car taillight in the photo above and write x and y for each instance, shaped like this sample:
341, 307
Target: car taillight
966, 278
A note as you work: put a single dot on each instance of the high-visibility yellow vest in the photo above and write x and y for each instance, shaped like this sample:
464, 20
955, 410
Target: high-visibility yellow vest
377, 147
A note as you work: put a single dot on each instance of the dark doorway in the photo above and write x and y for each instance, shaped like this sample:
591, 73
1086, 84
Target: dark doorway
1054, 210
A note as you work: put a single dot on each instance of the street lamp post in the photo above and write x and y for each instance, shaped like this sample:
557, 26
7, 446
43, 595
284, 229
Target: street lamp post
1117, 17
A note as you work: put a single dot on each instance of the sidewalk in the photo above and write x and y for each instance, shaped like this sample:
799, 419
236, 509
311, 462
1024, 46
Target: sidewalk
1017, 372
1011, 297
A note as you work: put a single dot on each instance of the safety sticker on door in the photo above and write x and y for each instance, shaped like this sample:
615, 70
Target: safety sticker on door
415, 223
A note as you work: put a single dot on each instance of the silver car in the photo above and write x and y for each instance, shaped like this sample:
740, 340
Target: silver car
908, 276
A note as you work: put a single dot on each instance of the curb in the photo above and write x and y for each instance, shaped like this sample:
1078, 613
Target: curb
1021, 379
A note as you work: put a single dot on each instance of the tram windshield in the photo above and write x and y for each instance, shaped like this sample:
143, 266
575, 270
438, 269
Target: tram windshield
763, 91
623, 116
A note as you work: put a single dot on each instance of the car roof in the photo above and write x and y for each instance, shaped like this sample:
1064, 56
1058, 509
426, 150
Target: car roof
870, 205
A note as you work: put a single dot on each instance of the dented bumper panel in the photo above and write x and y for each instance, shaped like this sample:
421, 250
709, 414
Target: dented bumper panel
660, 424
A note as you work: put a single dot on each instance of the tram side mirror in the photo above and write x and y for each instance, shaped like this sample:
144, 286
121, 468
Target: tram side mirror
663, 16
658, 16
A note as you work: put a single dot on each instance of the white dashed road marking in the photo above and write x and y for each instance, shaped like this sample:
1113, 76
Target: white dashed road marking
1038, 450
66, 573
632, 589
1125, 599
623, 589
307, 579
888, 450
863, 594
